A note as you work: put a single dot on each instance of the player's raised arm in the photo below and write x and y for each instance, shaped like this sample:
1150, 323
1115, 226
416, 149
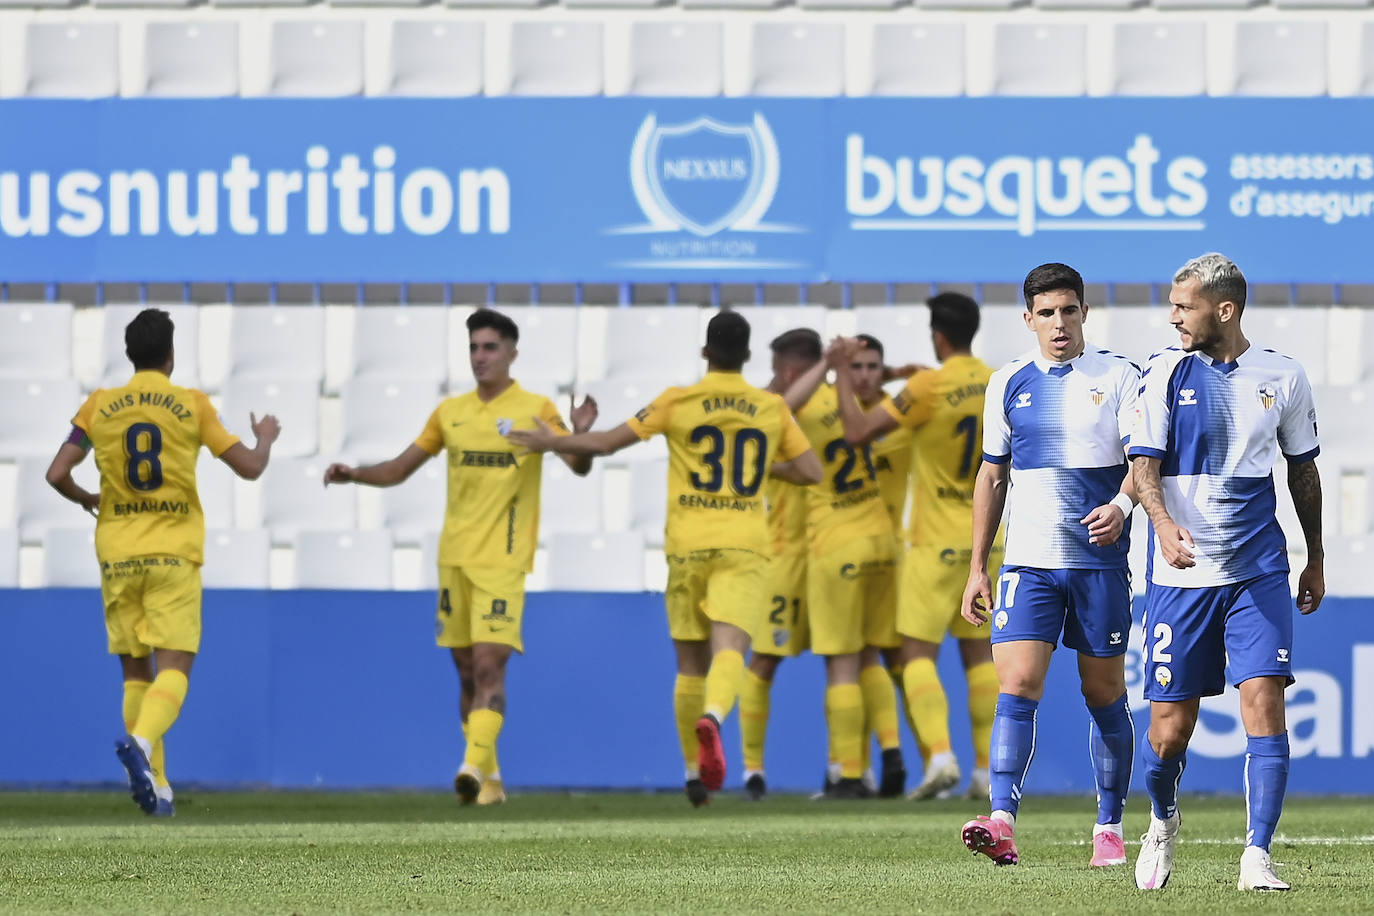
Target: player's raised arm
860, 426
59, 476
249, 463
805, 385
544, 438
383, 474
582, 416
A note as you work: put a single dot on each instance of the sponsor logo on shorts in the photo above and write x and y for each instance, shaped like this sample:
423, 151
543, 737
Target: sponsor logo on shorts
1115, 639
1000, 621
1283, 656
498, 612
1164, 676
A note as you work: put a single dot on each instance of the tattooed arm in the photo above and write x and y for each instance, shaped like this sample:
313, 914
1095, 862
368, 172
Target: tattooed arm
1175, 543
1306, 486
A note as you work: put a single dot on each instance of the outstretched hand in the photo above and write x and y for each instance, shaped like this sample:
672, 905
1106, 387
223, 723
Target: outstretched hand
583, 415
539, 439
265, 430
840, 352
338, 473
906, 370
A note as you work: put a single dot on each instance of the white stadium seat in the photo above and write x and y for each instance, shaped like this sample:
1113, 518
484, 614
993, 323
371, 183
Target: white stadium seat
1159, 58
903, 330
401, 342
1343, 422
115, 368
600, 563
295, 403
1135, 331
38, 507
293, 498
433, 58
1296, 331
343, 559
547, 349
35, 416
381, 418
632, 350
649, 499
316, 58
925, 59
1280, 58
676, 58
1044, 59
767, 322
72, 60
620, 399
9, 558
276, 342
569, 504
413, 508
555, 58
1002, 334
215, 483
192, 59
236, 558
35, 340
69, 557
797, 58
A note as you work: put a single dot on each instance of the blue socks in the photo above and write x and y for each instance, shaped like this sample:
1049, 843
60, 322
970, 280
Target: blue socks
1013, 745
1266, 778
1161, 780
1112, 746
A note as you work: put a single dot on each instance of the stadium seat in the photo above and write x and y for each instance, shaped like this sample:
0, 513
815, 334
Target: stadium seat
854, 5
1280, 58
918, 60
1135, 331
316, 58
555, 58
767, 322
192, 59
1343, 413
35, 416
215, 483
1204, 4
619, 399
381, 419
115, 368
9, 558
655, 341
1040, 59
268, 3
1297, 331
797, 59
401, 342
416, 507
277, 342
547, 349
676, 58
429, 561
294, 498
600, 563
35, 340
1347, 565
343, 559
649, 499
73, 60
1159, 58
431, 58
38, 506
295, 403
569, 504
730, 4
236, 558
1367, 59
1002, 335
904, 331
969, 4
69, 557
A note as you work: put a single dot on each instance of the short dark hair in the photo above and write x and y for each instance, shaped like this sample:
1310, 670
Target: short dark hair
956, 317
870, 343
799, 343
727, 341
1049, 277
490, 318
148, 339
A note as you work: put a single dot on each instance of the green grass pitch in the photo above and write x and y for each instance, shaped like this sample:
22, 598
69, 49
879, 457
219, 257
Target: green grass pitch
277, 852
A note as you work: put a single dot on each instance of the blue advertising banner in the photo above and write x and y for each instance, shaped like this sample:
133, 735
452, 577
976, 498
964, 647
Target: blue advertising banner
288, 681
643, 189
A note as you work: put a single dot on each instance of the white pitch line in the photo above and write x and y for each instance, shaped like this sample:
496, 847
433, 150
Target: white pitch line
1236, 841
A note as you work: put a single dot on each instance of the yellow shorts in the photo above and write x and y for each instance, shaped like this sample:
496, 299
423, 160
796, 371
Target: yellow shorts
847, 587
784, 628
933, 580
151, 603
480, 605
880, 627
714, 586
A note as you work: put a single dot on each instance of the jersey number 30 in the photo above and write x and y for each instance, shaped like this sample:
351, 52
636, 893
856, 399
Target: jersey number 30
711, 460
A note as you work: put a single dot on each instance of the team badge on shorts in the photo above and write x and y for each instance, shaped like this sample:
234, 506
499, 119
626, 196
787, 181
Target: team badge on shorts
1000, 621
1267, 396
505, 425
780, 638
1164, 676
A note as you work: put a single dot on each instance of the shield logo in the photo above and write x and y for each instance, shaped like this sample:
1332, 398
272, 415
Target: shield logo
1098, 395
1267, 396
1164, 676
504, 425
704, 174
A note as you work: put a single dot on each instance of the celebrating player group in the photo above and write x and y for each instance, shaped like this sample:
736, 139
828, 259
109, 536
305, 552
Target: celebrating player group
785, 532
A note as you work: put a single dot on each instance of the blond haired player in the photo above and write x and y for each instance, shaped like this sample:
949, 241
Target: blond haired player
150, 534
944, 407
491, 526
725, 437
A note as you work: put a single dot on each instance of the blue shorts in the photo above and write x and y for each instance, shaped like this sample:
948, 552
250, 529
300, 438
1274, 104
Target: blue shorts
1090, 607
1198, 639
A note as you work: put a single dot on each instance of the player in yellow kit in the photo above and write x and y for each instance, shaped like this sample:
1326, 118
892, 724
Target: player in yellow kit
150, 534
944, 407
491, 525
725, 437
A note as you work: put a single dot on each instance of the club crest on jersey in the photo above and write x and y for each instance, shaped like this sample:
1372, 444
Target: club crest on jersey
1164, 676
1023, 399
1267, 396
1187, 396
1098, 396
505, 425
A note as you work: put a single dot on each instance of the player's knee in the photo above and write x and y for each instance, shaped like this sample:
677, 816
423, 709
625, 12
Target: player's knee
1022, 682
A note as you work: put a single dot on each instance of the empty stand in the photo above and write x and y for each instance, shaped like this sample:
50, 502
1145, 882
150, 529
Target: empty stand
192, 59
215, 483
295, 403
236, 558
1002, 334
1280, 58
547, 349
649, 499
316, 58
919, 60
1159, 58
38, 507
635, 344
1343, 415
415, 507
1135, 331
401, 342
431, 58
904, 331
381, 419
343, 559
294, 498
569, 504
1367, 59
1297, 331
115, 368
74, 60
9, 558
277, 342
555, 58
601, 563
767, 322
797, 58
676, 58
1039, 59
69, 557
35, 416
35, 340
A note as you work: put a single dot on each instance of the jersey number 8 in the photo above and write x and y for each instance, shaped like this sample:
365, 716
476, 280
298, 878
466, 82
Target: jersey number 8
143, 445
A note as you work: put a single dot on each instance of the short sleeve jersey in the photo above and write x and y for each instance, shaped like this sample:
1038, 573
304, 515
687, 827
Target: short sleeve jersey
1063, 426
147, 436
1218, 429
492, 516
847, 503
892, 464
723, 436
944, 408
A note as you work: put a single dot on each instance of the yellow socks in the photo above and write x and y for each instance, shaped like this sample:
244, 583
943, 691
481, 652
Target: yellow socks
483, 728
160, 707
491, 769
134, 691
689, 692
844, 714
982, 705
929, 707
880, 706
723, 683
753, 718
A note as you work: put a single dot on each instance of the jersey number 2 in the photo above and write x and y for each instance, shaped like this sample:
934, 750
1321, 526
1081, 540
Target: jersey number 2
143, 445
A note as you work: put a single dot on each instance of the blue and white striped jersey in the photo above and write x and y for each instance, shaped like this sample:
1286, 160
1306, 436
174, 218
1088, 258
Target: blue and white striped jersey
1217, 429
1063, 427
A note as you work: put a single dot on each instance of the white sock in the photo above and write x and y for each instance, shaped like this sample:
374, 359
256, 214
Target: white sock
942, 760
692, 773
494, 775
1108, 828
1005, 816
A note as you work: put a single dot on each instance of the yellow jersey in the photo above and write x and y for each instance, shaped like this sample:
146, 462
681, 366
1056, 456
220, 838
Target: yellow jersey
723, 436
492, 517
892, 464
847, 503
944, 409
147, 435
786, 516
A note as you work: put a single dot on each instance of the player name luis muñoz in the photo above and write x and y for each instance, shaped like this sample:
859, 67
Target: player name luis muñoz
165, 400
